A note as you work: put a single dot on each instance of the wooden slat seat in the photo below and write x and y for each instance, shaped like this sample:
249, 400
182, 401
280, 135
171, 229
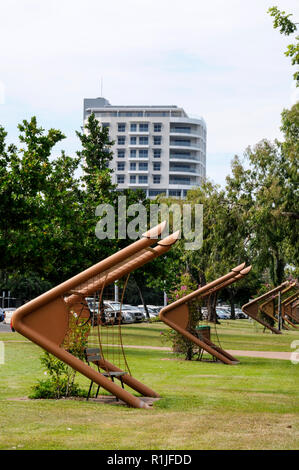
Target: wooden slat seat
94, 355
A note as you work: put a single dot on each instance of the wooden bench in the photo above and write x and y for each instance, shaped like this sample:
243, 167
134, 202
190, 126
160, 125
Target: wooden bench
94, 355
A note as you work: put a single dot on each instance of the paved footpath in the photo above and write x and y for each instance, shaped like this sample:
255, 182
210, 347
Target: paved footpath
265, 354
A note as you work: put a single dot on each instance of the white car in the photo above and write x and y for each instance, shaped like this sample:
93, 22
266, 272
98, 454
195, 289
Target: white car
151, 312
240, 315
8, 313
204, 312
112, 310
134, 311
222, 314
156, 308
113, 305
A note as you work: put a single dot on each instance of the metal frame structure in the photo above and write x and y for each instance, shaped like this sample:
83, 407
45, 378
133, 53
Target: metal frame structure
266, 304
44, 320
289, 309
273, 307
176, 314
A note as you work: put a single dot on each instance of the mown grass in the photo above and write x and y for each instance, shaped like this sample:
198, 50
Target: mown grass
239, 335
253, 405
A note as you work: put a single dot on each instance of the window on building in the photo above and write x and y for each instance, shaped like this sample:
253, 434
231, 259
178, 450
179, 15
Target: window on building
120, 179
157, 127
130, 113
121, 127
132, 166
157, 166
143, 127
106, 125
120, 153
132, 179
181, 129
157, 140
120, 166
143, 140
142, 179
143, 153
133, 140
156, 192
182, 154
175, 192
143, 166
121, 140
183, 142
156, 179
133, 153
133, 127
180, 180
157, 153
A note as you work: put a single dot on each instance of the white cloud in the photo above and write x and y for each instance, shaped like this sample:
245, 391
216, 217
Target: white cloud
222, 60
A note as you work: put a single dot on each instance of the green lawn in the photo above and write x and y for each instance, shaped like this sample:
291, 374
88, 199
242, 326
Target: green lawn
239, 334
253, 405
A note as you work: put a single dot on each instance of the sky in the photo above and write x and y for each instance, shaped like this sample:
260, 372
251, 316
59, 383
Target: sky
221, 60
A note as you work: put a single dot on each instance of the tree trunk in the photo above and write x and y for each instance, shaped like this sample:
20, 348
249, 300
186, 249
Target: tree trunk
278, 265
232, 304
211, 305
139, 288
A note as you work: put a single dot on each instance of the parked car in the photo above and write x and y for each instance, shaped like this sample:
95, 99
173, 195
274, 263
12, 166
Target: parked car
8, 313
2, 315
111, 313
151, 312
114, 315
93, 305
222, 314
240, 315
114, 309
114, 304
204, 312
225, 309
127, 317
134, 311
156, 308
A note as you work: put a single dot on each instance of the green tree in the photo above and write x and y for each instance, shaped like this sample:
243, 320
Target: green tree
25, 173
265, 187
287, 27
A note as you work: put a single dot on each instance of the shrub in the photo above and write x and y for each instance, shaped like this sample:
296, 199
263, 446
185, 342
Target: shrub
61, 377
180, 344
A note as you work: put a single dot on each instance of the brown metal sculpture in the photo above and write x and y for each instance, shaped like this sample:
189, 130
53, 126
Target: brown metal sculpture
266, 305
45, 320
289, 311
270, 307
176, 314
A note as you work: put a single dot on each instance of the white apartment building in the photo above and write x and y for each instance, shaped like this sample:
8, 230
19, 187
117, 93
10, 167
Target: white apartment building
157, 148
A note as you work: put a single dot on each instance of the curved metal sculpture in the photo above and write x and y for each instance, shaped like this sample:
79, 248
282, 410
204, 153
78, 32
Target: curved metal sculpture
291, 309
176, 314
266, 305
45, 319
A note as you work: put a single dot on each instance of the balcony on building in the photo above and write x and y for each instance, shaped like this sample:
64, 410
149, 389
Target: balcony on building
187, 156
177, 182
181, 129
186, 169
183, 142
